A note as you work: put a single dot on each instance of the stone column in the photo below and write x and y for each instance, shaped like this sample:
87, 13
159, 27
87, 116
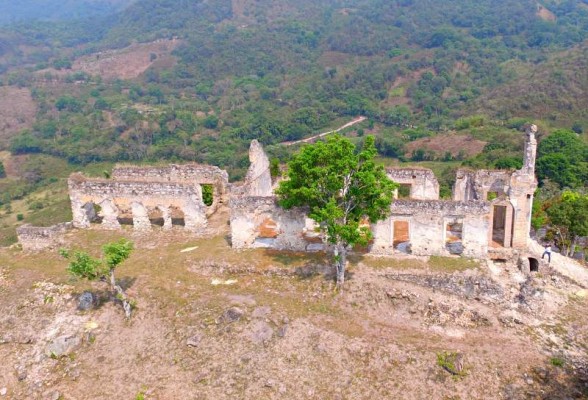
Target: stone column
82, 213
530, 150
109, 214
258, 180
383, 237
140, 217
166, 214
194, 214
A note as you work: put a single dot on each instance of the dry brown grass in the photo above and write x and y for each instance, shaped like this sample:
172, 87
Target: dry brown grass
452, 143
17, 110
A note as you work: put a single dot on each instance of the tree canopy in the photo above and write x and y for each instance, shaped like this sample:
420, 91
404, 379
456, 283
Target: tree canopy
568, 216
82, 265
563, 158
344, 190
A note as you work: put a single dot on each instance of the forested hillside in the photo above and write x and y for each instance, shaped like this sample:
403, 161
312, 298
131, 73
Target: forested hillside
12, 11
441, 82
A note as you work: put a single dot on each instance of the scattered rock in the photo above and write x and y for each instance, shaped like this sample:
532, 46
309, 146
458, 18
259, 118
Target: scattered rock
21, 374
194, 341
468, 286
282, 330
63, 345
51, 395
261, 312
3, 391
233, 314
261, 332
86, 301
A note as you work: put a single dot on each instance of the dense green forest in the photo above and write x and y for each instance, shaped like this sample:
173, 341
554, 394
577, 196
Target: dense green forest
282, 70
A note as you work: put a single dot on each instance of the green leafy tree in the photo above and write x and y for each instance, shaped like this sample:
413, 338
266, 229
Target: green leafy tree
82, 265
563, 158
569, 221
2, 170
343, 189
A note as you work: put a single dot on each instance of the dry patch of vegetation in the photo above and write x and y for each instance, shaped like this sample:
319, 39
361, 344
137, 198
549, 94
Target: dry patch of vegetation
17, 110
452, 143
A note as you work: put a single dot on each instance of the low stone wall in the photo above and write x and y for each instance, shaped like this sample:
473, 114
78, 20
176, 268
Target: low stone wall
33, 238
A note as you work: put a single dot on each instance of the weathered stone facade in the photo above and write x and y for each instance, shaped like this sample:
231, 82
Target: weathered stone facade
490, 210
167, 194
34, 238
422, 182
427, 224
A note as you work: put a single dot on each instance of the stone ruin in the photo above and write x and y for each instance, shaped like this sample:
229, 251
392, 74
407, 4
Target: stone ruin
33, 238
488, 216
148, 196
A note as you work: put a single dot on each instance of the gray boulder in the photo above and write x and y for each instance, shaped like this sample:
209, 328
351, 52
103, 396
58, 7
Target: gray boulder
63, 345
86, 301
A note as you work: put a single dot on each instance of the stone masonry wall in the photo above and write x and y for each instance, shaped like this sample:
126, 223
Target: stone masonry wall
424, 184
140, 197
34, 238
427, 223
260, 222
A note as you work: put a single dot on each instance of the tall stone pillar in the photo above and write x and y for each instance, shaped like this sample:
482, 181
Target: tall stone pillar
82, 213
109, 214
522, 188
530, 151
259, 179
167, 219
194, 214
140, 217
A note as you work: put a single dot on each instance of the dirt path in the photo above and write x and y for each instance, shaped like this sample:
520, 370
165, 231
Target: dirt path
320, 135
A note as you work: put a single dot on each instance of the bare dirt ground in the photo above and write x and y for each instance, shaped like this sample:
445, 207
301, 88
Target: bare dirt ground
448, 143
127, 63
17, 110
213, 323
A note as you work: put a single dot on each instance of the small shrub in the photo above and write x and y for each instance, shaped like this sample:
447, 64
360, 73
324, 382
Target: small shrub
275, 167
19, 217
207, 194
452, 362
557, 362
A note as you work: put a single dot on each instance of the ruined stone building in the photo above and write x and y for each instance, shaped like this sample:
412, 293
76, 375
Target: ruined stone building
148, 196
489, 214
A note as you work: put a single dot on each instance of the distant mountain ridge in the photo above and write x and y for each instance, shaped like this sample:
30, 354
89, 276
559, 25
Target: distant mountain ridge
12, 11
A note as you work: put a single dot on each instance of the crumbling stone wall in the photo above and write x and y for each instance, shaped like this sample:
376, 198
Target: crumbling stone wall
422, 181
138, 196
427, 223
33, 238
260, 222
475, 185
513, 189
258, 182
191, 174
